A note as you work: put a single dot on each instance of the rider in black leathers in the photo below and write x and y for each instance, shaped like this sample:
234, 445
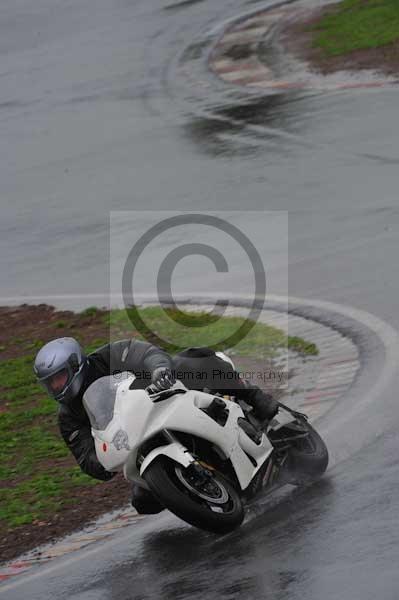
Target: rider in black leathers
65, 372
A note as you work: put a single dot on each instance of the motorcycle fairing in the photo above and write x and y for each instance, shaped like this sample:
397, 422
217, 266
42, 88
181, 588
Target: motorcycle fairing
137, 418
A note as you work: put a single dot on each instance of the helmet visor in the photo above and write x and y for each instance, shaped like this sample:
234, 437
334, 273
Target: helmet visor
56, 383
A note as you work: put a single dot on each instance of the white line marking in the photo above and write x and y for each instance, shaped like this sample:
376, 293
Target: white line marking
245, 74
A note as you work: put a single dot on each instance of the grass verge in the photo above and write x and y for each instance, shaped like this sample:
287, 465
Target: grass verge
356, 25
198, 329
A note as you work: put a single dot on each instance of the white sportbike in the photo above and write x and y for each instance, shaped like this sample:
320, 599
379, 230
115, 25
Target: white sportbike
203, 457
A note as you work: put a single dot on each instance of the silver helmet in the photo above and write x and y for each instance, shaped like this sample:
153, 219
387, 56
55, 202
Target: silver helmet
61, 366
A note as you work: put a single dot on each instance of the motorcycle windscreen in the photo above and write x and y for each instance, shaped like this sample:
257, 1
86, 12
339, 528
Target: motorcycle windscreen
99, 401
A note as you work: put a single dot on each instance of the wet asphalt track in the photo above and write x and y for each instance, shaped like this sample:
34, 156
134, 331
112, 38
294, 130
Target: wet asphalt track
94, 117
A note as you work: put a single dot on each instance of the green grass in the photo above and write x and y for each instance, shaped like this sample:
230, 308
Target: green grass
357, 25
262, 340
39, 495
37, 478
91, 311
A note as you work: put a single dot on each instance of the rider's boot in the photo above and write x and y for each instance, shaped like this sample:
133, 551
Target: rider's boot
144, 501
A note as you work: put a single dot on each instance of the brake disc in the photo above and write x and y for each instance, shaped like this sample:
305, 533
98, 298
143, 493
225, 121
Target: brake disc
223, 497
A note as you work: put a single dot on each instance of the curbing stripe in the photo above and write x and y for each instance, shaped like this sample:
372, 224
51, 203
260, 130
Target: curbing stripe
263, 25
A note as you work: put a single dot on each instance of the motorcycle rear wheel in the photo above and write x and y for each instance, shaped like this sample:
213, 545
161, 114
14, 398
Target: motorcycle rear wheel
307, 458
219, 510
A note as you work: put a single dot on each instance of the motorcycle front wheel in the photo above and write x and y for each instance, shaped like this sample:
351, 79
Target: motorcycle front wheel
202, 498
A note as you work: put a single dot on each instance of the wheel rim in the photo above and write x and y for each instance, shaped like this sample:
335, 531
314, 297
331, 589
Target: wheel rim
212, 491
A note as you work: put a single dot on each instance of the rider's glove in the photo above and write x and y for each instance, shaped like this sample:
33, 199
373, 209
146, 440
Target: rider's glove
162, 379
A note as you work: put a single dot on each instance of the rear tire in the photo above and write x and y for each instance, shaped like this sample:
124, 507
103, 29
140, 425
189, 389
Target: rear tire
308, 458
167, 486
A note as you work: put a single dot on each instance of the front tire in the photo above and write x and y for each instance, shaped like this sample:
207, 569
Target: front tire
219, 510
